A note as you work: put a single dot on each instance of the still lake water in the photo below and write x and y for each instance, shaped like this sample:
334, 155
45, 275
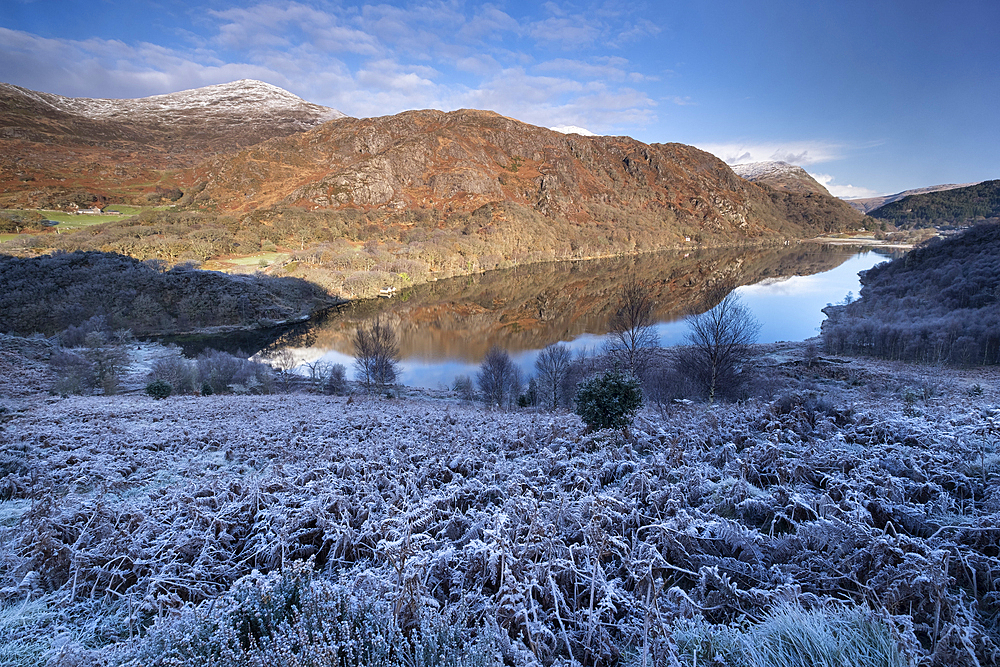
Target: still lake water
446, 327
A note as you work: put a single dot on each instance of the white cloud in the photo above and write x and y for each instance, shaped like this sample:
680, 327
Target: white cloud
369, 59
801, 153
681, 101
844, 191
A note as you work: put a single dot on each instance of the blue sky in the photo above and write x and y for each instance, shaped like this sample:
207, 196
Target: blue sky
870, 97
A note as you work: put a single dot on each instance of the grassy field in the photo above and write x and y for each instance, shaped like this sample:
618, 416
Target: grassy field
69, 222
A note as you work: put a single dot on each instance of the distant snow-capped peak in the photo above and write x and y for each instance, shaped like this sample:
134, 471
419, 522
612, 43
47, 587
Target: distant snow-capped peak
754, 170
573, 129
246, 97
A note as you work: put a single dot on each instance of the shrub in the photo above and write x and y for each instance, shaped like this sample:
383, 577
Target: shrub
74, 373
223, 372
464, 387
609, 400
159, 389
336, 381
175, 370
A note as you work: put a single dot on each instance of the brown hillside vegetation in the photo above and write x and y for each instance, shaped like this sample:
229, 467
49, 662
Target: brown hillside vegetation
463, 160
55, 150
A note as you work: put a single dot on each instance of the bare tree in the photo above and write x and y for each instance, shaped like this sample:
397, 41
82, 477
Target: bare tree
552, 367
499, 378
632, 333
376, 355
283, 361
719, 346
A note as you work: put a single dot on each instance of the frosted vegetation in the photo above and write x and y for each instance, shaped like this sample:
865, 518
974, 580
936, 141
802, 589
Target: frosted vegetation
849, 519
938, 304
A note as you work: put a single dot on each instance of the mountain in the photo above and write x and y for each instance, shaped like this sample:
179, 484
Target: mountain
867, 204
959, 206
464, 160
780, 176
52, 145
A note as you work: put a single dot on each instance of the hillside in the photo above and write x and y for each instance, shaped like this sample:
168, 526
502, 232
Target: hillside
51, 293
56, 150
464, 160
958, 206
867, 204
938, 304
780, 176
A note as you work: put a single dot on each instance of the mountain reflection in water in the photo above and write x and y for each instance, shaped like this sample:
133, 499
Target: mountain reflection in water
446, 327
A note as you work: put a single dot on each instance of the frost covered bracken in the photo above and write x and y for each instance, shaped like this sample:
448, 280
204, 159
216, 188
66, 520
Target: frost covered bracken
201, 530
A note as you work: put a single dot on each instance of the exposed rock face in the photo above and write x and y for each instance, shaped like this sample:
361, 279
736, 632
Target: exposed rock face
51, 143
465, 159
781, 176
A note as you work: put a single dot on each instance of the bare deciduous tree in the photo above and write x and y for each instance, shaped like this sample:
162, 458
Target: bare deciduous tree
719, 345
499, 379
632, 333
376, 355
552, 367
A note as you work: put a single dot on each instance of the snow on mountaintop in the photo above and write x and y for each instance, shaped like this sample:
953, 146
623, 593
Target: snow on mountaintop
754, 170
780, 175
573, 129
249, 98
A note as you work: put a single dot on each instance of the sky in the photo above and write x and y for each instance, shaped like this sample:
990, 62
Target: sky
870, 97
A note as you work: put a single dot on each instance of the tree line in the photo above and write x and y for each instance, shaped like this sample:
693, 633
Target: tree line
960, 206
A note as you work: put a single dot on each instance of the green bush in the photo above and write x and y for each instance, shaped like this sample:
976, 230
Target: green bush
159, 389
609, 400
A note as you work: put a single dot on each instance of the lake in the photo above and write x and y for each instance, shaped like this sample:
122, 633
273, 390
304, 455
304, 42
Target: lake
446, 327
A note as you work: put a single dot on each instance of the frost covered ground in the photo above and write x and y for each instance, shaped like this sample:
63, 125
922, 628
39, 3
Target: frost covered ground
860, 485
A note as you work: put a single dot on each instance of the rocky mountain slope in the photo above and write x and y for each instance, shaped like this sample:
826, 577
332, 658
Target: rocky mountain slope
869, 204
780, 176
52, 144
466, 159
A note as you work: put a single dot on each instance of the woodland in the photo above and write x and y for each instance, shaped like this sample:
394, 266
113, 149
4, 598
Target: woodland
354, 252
958, 207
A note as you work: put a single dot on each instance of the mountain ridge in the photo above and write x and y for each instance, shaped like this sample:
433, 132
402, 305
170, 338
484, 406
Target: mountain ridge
867, 204
465, 159
52, 146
